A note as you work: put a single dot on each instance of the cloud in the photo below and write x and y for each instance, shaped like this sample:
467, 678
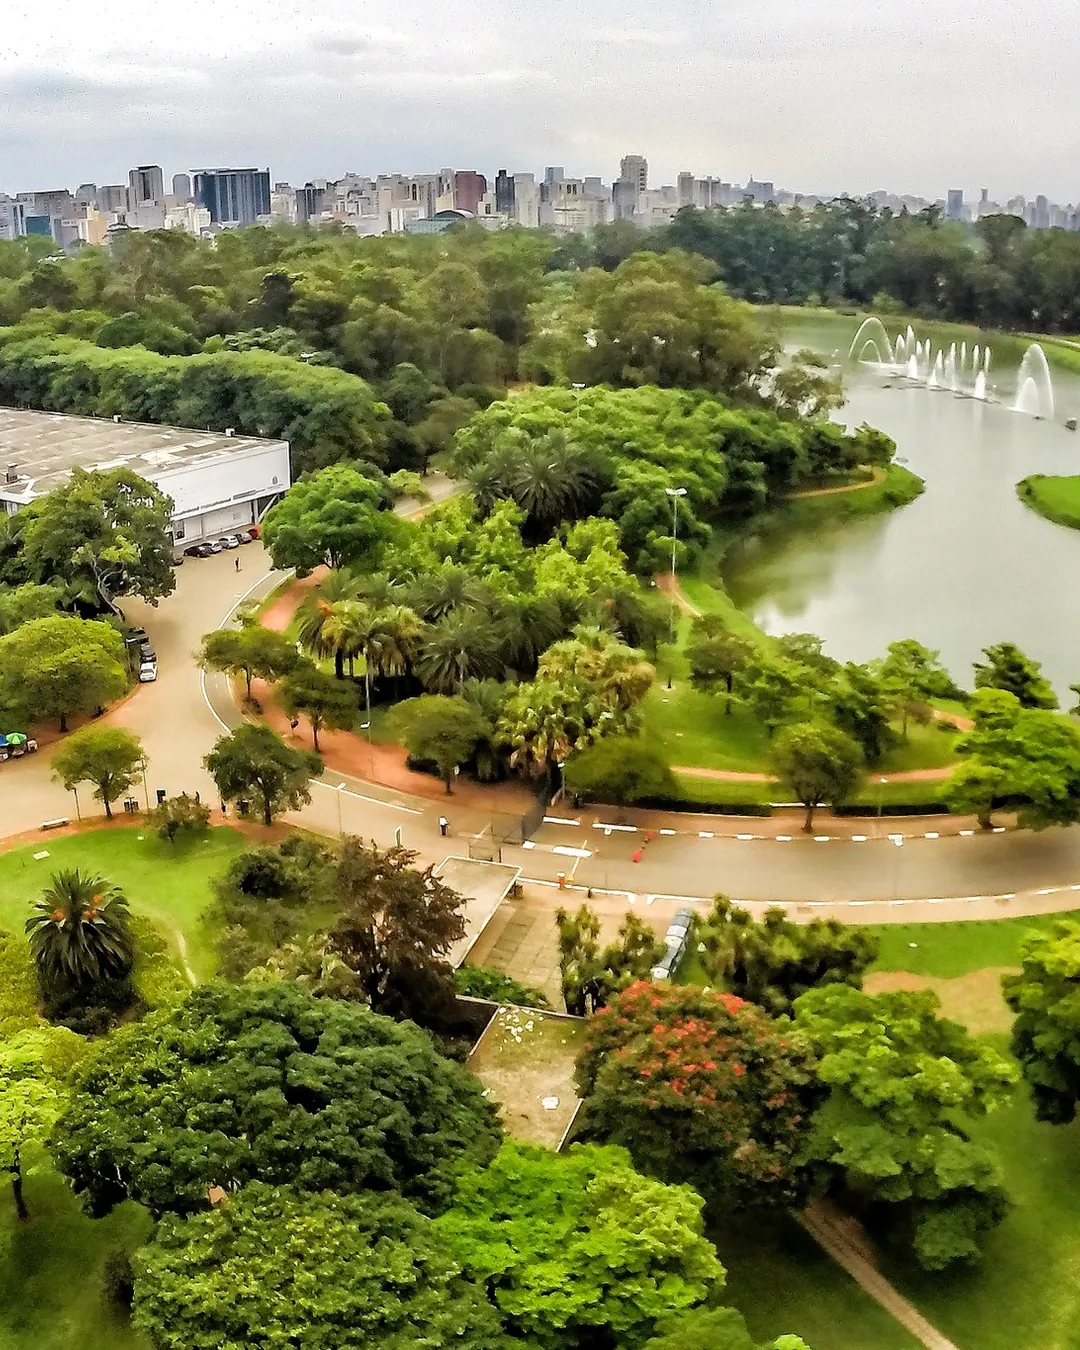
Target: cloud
814, 94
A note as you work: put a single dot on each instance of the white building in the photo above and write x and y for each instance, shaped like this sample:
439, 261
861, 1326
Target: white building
12, 217
218, 482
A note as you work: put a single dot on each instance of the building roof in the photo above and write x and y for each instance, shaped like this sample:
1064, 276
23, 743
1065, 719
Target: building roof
38, 450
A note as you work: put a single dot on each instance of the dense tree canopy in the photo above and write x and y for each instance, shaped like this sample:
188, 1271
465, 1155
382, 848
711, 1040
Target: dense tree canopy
903, 1082
701, 1087
578, 1249
1044, 1034
58, 667
276, 1266
266, 1083
101, 535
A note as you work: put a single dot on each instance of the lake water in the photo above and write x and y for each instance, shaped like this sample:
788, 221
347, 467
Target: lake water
964, 566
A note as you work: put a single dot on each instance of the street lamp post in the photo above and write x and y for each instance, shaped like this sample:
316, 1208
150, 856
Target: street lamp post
674, 494
341, 787
880, 795
78, 813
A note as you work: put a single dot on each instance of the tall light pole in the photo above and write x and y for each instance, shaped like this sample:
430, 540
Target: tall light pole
674, 494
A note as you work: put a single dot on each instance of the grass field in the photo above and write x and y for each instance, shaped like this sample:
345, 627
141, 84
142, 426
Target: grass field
1055, 497
169, 885
51, 1291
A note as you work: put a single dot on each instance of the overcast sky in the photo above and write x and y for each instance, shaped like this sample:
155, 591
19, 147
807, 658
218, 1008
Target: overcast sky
910, 95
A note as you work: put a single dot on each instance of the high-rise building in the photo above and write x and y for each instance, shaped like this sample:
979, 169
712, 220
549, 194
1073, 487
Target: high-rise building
1042, 213
685, 185
146, 184
504, 193
554, 173
12, 218
625, 195
233, 196
526, 201
954, 204
86, 194
181, 186
112, 198
469, 189
635, 169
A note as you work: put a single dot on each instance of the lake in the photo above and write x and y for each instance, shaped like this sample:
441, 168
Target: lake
964, 566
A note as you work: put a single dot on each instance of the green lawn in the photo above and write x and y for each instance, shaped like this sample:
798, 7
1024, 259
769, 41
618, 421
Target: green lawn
1056, 498
169, 885
51, 1270
946, 950
783, 1282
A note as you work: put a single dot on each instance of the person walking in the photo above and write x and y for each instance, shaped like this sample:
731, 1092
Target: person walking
236, 564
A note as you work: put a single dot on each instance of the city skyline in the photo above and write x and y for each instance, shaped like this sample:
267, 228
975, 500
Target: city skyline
819, 98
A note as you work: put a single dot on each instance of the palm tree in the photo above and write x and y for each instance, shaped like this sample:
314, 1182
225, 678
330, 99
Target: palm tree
464, 645
388, 639
449, 588
551, 479
79, 934
530, 623
321, 630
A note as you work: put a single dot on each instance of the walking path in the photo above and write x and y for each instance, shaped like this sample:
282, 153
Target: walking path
877, 475
833, 1230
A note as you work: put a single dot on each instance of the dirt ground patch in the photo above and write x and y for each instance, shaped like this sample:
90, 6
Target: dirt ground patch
974, 999
526, 1061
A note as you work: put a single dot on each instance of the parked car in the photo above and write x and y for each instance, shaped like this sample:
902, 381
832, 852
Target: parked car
214, 545
198, 551
137, 633
148, 672
146, 652
229, 541
245, 537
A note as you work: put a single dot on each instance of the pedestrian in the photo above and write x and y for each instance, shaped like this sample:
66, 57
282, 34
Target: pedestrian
236, 564
224, 812
444, 825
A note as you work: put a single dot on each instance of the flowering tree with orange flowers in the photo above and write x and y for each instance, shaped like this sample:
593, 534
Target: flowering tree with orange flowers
701, 1087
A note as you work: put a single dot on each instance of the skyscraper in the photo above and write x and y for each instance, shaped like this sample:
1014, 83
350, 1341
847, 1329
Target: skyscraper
181, 186
233, 196
146, 184
954, 204
635, 169
504, 193
469, 187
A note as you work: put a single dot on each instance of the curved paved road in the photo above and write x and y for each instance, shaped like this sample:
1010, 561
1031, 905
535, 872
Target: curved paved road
181, 715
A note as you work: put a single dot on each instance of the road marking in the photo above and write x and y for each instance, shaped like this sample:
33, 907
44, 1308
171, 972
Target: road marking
932, 835
601, 825
822, 838
783, 838
744, 837
966, 834
669, 831
568, 852
560, 820
706, 834
858, 838
360, 797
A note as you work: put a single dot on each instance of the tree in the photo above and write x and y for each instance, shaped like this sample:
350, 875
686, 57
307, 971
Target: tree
1029, 754
462, 645
716, 657
1006, 667
109, 528
178, 816
902, 1083
255, 761
324, 700
333, 517
396, 928
701, 1087
912, 675
772, 962
621, 770
441, 730
265, 1082
59, 667
713, 1329
860, 708
34, 1069
276, 1265
819, 763
590, 976
778, 691
1044, 1034
577, 1249
80, 939
250, 650
20, 604
109, 757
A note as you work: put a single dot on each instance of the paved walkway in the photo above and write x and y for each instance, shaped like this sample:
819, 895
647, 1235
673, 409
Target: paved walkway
839, 1235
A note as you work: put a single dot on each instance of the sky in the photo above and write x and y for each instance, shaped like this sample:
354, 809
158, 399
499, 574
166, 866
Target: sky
816, 95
